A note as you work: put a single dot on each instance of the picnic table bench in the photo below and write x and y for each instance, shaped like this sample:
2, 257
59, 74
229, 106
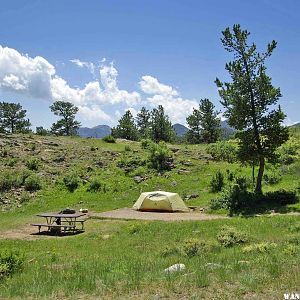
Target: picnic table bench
58, 221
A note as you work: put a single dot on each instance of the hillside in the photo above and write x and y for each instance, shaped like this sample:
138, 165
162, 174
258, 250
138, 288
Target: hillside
125, 259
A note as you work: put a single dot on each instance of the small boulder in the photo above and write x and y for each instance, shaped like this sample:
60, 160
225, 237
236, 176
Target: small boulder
175, 268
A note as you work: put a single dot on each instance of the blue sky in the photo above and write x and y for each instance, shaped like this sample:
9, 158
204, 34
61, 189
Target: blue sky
109, 56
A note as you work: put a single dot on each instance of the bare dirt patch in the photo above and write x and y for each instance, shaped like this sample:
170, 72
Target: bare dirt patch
26, 232
130, 214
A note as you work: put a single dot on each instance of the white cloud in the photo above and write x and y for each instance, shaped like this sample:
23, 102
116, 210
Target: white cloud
22, 74
37, 78
93, 113
81, 64
150, 85
175, 106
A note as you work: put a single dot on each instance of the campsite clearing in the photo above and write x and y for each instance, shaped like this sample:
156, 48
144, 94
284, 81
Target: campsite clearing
130, 214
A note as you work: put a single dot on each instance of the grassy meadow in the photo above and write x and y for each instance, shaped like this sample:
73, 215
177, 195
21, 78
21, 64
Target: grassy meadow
254, 257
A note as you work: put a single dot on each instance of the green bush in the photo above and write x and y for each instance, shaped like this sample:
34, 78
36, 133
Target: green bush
33, 164
160, 157
71, 181
25, 197
217, 182
109, 139
169, 251
10, 262
32, 183
127, 148
230, 236
223, 150
12, 162
264, 247
32, 146
272, 176
146, 143
191, 247
282, 197
130, 164
4, 152
95, 185
288, 152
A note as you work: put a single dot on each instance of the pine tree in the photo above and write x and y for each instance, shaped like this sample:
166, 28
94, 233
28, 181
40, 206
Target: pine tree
204, 123
161, 127
250, 99
126, 129
143, 123
67, 125
13, 118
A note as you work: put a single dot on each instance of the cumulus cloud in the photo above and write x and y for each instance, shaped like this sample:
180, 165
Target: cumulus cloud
37, 78
150, 85
83, 64
175, 106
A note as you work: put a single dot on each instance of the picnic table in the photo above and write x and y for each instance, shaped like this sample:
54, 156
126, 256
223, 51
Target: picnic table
61, 221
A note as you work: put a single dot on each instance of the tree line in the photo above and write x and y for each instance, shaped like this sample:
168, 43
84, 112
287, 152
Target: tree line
249, 100
155, 125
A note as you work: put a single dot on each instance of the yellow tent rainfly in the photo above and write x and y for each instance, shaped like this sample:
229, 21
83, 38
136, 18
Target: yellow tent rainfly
160, 201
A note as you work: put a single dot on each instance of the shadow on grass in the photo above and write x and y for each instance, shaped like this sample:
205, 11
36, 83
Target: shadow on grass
281, 201
265, 208
57, 234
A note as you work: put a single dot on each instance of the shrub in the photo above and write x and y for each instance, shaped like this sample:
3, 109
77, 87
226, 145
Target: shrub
272, 176
295, 227
109, 139
230, 236
217, 182
41, 131
223, 150
282, 197
169, 251
127, 148
234, 198
160, 157
191, 247
130, 164
32, 146
32, 183
291, 250
12, 162
25, 197
32, 164
288, 152
10, 262
145, 143
95, 185
4, 152
264, 247
71, 182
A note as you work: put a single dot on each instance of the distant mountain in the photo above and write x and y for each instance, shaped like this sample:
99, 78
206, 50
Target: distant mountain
180, 129
226, 130
99, 131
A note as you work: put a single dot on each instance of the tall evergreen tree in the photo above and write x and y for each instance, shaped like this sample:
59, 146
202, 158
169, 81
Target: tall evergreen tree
126, 128
250, 99
67, 125
161, 127
204, 123
143, 122
13, 118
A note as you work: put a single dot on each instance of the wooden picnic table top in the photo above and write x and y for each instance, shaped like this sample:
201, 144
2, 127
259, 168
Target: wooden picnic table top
58, 215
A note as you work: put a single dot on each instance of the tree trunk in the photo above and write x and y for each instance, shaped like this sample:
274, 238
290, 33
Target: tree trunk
258, 189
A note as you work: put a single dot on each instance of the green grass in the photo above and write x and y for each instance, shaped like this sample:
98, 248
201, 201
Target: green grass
112, 260
126, 259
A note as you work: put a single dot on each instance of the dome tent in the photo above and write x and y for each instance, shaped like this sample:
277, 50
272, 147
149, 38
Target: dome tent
160, 201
